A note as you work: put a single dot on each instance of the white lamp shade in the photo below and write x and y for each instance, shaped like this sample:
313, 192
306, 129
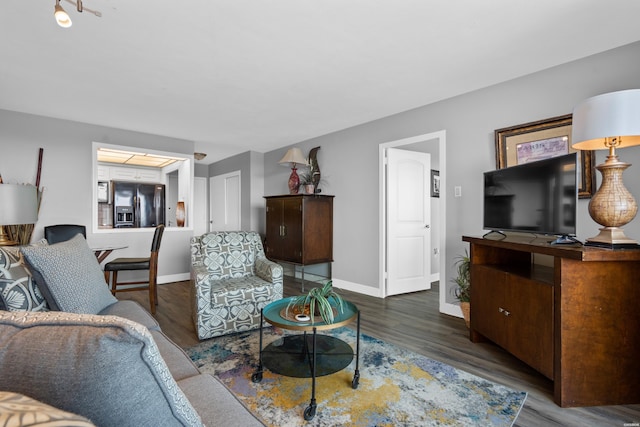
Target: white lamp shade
294, 155
615, 114
18, 204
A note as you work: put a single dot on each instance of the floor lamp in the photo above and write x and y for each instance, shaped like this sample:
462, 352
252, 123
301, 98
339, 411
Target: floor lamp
18, 205
610, 121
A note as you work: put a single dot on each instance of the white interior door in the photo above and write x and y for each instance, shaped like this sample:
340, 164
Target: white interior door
409, 214
224, 202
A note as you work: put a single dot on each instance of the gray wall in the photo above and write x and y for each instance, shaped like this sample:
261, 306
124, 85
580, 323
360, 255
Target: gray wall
349, 158
348, 161
68, 181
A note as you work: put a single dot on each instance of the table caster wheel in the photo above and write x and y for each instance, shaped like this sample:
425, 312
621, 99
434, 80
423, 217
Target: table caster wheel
310, 412
257, 377
355, 382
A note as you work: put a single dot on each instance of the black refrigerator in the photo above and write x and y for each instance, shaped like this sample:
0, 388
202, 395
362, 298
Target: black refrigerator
138, 205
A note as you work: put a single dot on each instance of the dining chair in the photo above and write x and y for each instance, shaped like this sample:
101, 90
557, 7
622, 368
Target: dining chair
63, 232
150, 263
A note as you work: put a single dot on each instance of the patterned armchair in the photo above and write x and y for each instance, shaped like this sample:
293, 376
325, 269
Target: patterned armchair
232, 281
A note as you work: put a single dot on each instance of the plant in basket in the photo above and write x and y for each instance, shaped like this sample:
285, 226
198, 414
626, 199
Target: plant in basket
317, 303
463, 280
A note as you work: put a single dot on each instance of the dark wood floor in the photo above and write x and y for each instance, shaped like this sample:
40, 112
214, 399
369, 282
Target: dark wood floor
413, 321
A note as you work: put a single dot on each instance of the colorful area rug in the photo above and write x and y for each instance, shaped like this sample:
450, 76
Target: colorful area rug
397, 387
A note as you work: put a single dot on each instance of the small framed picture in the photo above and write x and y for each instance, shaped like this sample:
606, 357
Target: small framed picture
435, 183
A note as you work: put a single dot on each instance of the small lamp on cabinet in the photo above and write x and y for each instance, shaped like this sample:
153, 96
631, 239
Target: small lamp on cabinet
610, 121
294, 157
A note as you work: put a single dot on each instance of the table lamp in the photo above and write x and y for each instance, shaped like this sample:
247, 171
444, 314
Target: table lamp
610, 121
294, 157
18, 205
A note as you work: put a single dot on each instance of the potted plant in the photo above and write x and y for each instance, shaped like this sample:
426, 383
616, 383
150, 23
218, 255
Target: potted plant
463, 280
306, 182
317, 302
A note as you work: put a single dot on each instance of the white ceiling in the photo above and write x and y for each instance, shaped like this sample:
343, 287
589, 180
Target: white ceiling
237, 75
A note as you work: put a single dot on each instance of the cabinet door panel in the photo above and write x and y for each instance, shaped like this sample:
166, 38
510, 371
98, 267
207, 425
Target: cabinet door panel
291, 242
318, 230
530, 323
274, 224
487, 299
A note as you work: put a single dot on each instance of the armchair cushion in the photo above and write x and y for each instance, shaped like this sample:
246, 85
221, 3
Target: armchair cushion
228, 255
69, 276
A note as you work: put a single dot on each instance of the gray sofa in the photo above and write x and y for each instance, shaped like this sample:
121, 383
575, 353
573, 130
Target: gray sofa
103, 361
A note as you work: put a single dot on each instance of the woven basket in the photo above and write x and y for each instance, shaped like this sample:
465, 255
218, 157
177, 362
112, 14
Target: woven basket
466, 312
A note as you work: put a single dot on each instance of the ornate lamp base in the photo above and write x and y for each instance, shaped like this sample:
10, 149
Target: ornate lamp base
4, 238
294, 181
612, 238
612, 206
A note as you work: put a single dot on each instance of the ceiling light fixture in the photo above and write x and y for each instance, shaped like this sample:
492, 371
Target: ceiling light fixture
199, 156
63, 19
61, 16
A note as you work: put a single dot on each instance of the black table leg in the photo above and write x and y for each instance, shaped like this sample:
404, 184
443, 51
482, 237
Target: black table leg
310, 412
356, 375
257, 376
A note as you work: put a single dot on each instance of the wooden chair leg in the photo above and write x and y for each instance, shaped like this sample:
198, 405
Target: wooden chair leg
153, 295
114, 281
107, 276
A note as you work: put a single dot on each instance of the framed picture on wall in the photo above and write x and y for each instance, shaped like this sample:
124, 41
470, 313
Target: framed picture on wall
435, 183
542, 139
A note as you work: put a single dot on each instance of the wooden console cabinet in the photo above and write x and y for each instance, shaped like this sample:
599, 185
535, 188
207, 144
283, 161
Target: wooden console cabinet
299, 228
577, 322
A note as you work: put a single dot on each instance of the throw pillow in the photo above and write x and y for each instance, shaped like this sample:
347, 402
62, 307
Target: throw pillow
18, 290
20, 410
105, 368
69, 276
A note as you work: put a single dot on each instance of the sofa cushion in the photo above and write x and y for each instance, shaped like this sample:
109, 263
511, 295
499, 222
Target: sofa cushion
18, 290
20, 410
227, 410
179, 363
133, 311
105, 368
69, 276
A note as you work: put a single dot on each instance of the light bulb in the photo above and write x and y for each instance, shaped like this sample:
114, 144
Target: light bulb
61, 16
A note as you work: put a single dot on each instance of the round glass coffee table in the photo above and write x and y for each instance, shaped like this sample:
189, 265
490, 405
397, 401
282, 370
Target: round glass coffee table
307, 355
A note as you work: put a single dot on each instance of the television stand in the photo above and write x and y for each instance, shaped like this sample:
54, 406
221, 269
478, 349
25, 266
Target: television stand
576, 322
565, 240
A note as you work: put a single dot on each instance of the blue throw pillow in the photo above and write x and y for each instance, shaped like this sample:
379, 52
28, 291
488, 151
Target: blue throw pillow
69, 276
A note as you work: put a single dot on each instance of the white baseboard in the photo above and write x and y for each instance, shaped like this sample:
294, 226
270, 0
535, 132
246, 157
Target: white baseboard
169, 278
356, 287
451, 309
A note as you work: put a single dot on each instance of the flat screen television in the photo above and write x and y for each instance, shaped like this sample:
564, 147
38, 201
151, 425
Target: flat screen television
540, 197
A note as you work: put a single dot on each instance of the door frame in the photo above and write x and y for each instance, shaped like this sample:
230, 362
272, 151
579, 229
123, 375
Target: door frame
440, 136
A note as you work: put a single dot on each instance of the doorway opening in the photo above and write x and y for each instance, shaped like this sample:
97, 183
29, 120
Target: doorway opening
435, 144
